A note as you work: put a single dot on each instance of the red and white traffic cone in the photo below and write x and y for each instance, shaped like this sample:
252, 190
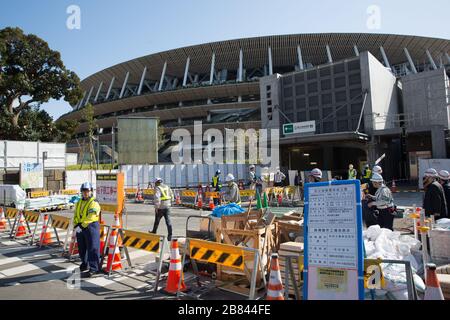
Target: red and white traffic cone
275, 286
21, 229
114, 260
178, 199
2, 220
175, 270
46, 236
433, 290
102, 236
199, 201
280, 199
211, 204
394, 187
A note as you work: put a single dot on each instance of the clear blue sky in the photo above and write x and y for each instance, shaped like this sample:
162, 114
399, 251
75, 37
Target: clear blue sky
113, 31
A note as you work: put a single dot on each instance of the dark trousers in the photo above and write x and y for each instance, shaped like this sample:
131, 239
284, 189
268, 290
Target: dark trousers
166, 214
386, 219
369, 217
89, 247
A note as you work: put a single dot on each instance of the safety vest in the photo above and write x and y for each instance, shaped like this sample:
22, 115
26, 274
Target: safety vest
215, 181
81, 212
368, 174
352, 173
165, 190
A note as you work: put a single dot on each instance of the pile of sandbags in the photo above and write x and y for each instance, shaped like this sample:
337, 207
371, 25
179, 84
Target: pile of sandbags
391, 245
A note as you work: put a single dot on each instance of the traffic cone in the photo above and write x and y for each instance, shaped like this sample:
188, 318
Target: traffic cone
175, 270
114, 260
2, 220
211, 203
46, 236
21, 230
393, 187
199, 201
433, 290
102, 237
139, 197
73, 247
258, 201
178, 199
265, 201
117, 226
275, 286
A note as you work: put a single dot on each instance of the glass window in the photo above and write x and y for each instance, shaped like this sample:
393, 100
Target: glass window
339, 68
314, 114
356, 108
287, 80
313, 101
325, 71
311, 75
300, 90
353, 65
325, 84
300, 77
269, 95
269, 102
340, 96
268, 88
328, 126
339, 82
354, 79
327, 98
301, 103
287, 92
312, 87
355, 92
327, 111
288, 105
342, 125
301, 116
342, 112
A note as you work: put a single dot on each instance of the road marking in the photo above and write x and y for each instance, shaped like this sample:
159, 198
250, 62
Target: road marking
30, 267
9, 260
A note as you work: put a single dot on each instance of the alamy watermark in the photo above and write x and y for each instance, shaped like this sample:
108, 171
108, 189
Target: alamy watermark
237, 146
73, 21
374, 19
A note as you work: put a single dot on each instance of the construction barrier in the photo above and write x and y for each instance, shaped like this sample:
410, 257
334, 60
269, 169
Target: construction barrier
220, 254
32, 217
247, 195
69, 192
63, 223
39, 194
17, 217
11, 214
148, 194
188, 198
142, 241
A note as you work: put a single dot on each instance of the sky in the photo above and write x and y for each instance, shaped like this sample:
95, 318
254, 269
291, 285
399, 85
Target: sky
114, 31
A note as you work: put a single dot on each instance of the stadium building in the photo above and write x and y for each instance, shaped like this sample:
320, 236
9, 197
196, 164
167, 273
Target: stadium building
352, 97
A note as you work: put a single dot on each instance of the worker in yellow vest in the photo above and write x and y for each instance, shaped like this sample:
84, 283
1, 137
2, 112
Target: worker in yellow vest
87, 228
216, 185
163, 203
352, 174
366, 174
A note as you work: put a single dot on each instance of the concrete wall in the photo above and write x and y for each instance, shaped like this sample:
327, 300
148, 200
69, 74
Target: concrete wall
268, 103
53, 179
382, 98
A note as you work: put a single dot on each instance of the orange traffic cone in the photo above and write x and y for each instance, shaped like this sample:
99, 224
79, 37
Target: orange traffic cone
139, 197
117, 225
114, 260
102, 237
275, 286
433, 290
175, 270
178, 199
394, 186
211, 203
73, 247
280, 199
199, 201
2, 220
21, 230
46, 236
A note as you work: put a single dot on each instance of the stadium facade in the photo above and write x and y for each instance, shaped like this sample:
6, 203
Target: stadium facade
367, 94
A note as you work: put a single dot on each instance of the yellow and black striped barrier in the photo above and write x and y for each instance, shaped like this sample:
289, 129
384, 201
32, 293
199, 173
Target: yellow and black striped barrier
141, 240
188, 198
32, 217
217, 253
11, 213
60, 222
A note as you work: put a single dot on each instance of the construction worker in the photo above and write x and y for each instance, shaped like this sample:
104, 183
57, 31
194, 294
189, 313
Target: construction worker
217, 185
383, 203
162, 202
255, 181
279, 178
434, 202
315, 175
366, 174
232, 195
87, 228
352, 173
444, 179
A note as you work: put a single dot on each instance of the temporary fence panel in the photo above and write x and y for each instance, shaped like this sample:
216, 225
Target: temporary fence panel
13, 153
178, 177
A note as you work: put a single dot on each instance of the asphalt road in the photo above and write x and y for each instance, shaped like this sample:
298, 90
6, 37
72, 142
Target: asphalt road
30, 272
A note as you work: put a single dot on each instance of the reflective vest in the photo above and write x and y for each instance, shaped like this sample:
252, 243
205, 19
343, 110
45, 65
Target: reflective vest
368, 174
165, 191
352, 173
82, 208
215, 181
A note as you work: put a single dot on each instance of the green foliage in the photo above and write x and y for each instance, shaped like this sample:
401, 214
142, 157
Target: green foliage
31, 74
34, 125
88, 166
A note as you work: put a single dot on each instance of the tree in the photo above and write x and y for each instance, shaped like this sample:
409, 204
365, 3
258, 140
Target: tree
66, 130
31, 73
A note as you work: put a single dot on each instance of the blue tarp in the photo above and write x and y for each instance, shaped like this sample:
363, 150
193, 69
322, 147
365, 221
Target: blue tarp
227, 210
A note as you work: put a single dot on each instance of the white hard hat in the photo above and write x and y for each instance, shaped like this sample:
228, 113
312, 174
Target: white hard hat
157, 180
252, 166
229, 177
376, 177
431, 173
377, 169
444, 175
86, 186
316, 173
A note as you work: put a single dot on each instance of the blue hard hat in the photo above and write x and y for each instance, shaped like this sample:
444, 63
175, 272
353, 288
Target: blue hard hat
87, 186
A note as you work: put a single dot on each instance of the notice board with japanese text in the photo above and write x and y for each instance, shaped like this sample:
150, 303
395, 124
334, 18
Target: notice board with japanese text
334, 258
110, 192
